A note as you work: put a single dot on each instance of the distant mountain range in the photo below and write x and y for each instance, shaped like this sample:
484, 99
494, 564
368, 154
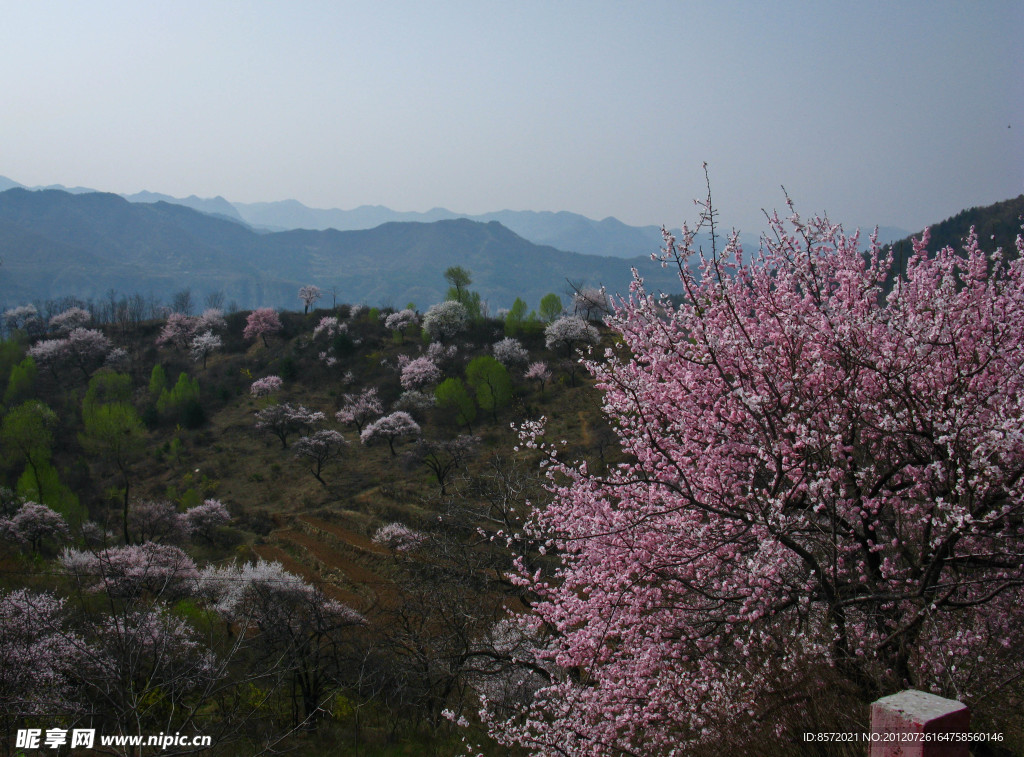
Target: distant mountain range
58, 241
566, 231
55, 243
563, 230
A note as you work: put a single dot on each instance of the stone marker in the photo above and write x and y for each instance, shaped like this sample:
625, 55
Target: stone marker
918, 724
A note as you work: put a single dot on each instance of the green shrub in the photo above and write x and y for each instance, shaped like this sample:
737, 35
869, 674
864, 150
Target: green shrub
106, 388
181, 404
491, 382
157, 380
20, 382
451, 394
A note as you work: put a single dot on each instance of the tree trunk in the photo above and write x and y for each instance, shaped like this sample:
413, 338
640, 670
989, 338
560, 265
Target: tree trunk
124, 512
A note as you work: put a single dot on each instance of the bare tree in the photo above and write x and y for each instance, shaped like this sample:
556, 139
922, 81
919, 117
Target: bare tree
181, 302
215, 299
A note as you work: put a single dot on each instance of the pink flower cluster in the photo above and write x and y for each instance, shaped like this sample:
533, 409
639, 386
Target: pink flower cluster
824, 471
399, 537
358, 409
265, 386
419, 373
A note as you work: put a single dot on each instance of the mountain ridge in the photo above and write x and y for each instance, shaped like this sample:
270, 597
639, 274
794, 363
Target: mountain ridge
101, 241
561, 229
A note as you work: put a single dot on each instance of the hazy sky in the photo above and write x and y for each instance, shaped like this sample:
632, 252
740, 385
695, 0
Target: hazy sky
895, 113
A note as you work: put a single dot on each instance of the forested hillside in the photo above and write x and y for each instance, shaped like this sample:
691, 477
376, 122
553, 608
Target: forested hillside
273, 528
997, 226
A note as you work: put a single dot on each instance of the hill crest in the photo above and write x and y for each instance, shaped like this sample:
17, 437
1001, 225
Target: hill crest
96, 242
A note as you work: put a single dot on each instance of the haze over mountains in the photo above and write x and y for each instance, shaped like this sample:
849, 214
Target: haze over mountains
564, 230
57, 241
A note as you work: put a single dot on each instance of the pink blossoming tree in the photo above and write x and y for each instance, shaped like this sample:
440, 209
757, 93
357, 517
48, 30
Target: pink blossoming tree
203, 520
538, 372
823, 482
146, 664
35, 523
331, 326
510, 352
84, 349
261, 322
389, 428
398, 322
178, 331
212, 319
23, 317
296, 628
358, 409
569, 334
39, 660
203, 345
309, 295
399, 537
285, 419
419, 373
264, 387
157, 521
70, 319
133, 571
318, 449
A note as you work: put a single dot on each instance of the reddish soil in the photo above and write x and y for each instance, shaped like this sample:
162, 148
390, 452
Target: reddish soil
357, 540
271, 553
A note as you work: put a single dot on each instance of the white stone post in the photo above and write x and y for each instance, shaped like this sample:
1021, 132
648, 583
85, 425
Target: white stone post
917, 724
